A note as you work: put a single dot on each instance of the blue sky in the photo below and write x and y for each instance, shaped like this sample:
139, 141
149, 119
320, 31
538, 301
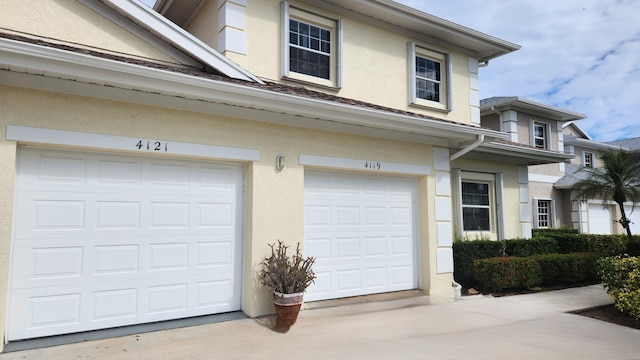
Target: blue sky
579, 55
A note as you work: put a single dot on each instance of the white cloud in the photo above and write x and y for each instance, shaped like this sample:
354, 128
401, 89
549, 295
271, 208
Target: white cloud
580, 55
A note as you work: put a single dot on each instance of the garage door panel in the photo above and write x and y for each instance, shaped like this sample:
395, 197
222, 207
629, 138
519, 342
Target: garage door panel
362, 231
633, 214
132, 242
600, 219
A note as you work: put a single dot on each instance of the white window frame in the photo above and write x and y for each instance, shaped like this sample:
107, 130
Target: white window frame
551, 215
588, 163
320, 21
445, 77
489, 207
546, 138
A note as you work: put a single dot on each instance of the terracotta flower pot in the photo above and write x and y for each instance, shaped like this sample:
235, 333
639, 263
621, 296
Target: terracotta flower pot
287, 308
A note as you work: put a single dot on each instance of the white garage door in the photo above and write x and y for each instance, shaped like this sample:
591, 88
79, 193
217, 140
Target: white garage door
634, 217
600, 221
108, 240
363, 231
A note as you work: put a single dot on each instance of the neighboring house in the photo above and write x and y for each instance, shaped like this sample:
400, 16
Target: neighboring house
593, 216
147, 166
538, 126
549, 189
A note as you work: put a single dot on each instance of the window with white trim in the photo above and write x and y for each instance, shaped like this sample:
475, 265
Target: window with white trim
311, 47
429, 74
587, 159
540, 135
544, 213
476, 206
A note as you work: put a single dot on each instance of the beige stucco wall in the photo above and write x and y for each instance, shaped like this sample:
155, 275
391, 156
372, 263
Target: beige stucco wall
274, 199
375, 65
72, 23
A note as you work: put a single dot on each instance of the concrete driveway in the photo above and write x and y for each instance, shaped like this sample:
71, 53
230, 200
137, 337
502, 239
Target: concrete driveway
533, 326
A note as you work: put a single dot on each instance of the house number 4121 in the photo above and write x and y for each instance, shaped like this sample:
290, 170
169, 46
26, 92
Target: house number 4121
149, 145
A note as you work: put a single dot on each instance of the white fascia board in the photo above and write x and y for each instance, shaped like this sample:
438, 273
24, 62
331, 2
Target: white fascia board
178, 37
524, 152
580, 130
591, 144
70, 66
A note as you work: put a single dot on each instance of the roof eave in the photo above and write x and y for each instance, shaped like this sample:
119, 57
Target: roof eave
111, 79
517, 102
524, 155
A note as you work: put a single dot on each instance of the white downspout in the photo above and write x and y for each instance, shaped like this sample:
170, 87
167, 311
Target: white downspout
468, 148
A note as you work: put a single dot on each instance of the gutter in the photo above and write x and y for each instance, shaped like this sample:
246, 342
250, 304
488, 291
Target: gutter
477, 143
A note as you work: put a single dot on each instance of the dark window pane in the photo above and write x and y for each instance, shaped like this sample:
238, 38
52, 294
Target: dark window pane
315, 44
475, 219
475, 194
314, 32
325, 35
293, 26
304, 28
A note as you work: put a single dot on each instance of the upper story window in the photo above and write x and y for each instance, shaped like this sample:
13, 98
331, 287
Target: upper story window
587, 159
429, 78
540, 135
311, 47
476, 206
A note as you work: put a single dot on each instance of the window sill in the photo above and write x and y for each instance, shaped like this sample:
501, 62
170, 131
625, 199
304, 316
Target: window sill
431, 107
311, 83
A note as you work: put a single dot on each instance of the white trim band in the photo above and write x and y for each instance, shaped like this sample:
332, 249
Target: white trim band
544, 178
137, 145
372, 166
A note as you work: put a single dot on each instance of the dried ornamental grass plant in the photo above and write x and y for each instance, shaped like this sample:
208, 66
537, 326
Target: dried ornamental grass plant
286, 274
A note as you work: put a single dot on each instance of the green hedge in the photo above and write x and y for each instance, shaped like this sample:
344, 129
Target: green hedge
529, 247
567, 268
547, 241
500, 273
465, 252
553, 233
633, 247
510, 272
621, 278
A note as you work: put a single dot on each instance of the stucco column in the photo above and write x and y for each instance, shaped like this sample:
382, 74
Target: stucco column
231, 26
443, 211
525, 204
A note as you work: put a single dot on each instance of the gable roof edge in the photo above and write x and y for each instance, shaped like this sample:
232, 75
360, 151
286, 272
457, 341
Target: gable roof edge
177, 37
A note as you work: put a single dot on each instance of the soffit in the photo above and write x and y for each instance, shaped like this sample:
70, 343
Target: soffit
417, 23
181, 11
525, 105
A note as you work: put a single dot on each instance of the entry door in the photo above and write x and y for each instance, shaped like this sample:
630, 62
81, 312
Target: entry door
363, 231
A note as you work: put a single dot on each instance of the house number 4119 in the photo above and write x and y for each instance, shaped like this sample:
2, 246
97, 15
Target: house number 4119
148, 145
372, 165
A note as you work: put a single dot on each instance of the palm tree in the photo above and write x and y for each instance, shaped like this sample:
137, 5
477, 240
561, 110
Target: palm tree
618, 180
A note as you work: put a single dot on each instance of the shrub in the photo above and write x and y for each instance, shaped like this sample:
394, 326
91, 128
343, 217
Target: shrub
621, 278
553, 233
633, 247
496, 274
465, 252
607, 245
567, 268
572, 243
528, 247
